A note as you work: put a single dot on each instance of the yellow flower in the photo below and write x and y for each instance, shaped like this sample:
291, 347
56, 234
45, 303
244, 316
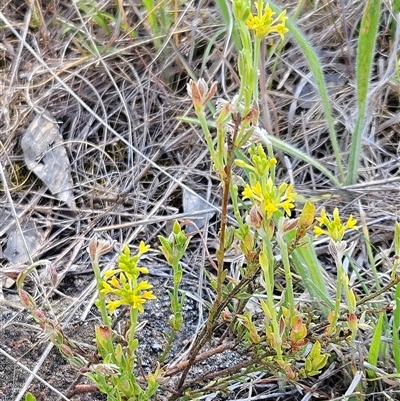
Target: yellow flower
261, 164
143, 248
263, 23
335, 229
128, 263
122, 283
270, 208
112, 306
271, 199
114, 281
129, 293
253, 192
286, 196
282, 197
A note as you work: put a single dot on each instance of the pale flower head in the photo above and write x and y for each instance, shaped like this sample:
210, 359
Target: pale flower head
99, 247
200, 93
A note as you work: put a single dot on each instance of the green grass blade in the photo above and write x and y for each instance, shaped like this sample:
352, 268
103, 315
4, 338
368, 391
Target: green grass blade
373, 354
396, 327
308, 267
369, 248
393, 23
229, 22
316, 70
283, 146
365, 53
92, 11
310, 270
151, 17
291, 150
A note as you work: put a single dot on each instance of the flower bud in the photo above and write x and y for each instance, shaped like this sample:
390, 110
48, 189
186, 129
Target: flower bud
39, 316
337, 249
286, 224
98, 247
26, 299
200, 93
66, 351
49, 274
226, 315
352, 321
103, 336
105, 369
253, 114
255, 217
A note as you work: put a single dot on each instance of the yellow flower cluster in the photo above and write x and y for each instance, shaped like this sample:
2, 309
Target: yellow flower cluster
271, 198
335, 229
135, 296
123, 283
262, 191
263, 23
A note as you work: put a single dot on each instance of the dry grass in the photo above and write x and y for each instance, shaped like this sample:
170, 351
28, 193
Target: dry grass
117, 99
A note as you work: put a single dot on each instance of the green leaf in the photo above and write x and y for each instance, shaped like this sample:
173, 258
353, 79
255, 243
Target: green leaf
397, 239
229, 22
30, 397
311, 272
396, 327
315, 350
89, 7
166, 247
118, 354
291, 150
373, 354
365, 54
320, 361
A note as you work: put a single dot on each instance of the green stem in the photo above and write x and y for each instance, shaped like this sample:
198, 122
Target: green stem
101, 299
220, 254
288, 275
268, 270
132, 330
256, 64
235, 205
168, 346
207, 136
336, 311
22, 276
